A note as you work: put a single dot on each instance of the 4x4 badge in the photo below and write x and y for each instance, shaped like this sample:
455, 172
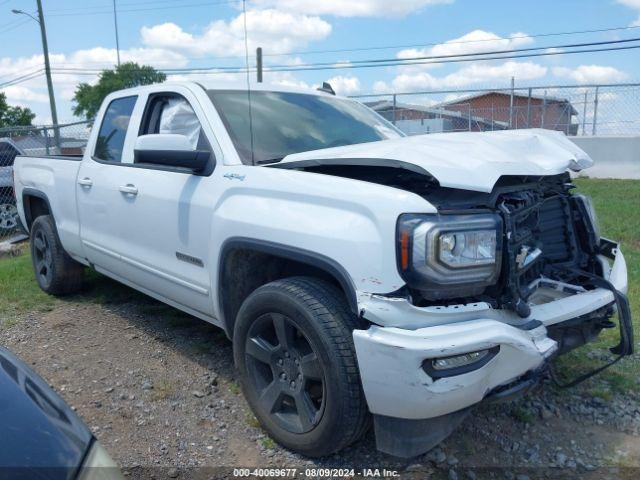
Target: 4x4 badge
234, 176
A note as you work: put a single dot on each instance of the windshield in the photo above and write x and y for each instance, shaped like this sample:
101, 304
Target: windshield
285, 123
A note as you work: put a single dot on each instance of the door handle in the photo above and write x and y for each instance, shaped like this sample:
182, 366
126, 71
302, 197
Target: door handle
85, 182
128, 189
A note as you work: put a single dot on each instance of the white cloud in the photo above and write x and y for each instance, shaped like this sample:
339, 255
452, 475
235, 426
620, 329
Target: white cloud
472, 74
351, 8
477, 41
631, 3
23, 95
276, 31
635, 4
286, 79
381, 87
345, 85
33, 92
591, 74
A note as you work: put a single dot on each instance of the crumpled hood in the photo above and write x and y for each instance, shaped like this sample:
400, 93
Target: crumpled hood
467, 160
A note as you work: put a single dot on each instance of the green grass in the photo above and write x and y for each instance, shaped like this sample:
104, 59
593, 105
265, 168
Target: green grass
251, 420
617, 203
522, 414
268, 443
234, 388
19, 293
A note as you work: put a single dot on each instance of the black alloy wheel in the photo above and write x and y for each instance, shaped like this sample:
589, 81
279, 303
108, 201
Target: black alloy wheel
293, 348
286, 372
42, 258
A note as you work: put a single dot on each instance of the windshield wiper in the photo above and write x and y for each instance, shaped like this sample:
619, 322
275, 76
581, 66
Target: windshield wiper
270, 160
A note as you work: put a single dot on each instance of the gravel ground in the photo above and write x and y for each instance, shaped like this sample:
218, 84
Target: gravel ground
160, 393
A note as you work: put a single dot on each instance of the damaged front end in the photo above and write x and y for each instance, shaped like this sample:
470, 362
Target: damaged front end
530, 242
497, 286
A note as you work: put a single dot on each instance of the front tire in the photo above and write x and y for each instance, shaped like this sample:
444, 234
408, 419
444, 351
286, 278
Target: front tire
56, 272
293, 348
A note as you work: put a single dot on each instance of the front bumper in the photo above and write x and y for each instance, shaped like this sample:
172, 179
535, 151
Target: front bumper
390, 358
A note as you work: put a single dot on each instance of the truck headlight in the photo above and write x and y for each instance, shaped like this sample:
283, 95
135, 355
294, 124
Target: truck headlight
465, 249
447, 256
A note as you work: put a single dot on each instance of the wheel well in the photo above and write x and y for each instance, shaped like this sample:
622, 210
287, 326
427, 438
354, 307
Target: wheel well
243, 269
34, 207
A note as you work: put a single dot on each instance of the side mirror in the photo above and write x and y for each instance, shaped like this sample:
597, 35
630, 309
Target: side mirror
170, 150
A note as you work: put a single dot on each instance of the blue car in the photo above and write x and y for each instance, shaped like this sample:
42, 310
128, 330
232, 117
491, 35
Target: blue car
41, 438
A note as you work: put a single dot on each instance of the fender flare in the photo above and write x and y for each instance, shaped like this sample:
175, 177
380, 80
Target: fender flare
32, 192
319, 261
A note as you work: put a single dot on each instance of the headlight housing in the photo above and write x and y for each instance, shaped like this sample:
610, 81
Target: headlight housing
448, 256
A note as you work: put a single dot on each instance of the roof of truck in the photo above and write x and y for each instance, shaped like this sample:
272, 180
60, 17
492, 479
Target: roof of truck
270, 87
238, 86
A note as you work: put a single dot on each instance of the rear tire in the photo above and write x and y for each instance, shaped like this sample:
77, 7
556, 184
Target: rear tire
294, 351
56, 272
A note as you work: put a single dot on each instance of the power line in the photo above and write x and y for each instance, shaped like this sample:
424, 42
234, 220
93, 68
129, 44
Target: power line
501, 57
105, 6
410, 60
451, 42
478, 56
15, 25
22, 79
147, 9
310, 67
22, 74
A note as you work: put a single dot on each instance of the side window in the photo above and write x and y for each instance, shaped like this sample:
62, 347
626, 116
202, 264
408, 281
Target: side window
173, 114
113, 130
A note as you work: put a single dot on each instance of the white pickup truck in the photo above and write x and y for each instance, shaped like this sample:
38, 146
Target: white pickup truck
360, 274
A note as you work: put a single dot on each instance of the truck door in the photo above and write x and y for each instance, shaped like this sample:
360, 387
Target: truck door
165, 213
97, 185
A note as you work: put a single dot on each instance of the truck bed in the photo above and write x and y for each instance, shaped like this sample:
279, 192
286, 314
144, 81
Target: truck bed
52, 178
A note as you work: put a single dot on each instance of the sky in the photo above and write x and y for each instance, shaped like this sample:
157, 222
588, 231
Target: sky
199, 33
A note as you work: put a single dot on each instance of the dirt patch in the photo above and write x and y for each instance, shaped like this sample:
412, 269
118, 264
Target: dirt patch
160, 391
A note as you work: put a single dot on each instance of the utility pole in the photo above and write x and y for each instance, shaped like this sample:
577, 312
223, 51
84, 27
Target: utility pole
258, 63
47, 71
47, 66
115, 22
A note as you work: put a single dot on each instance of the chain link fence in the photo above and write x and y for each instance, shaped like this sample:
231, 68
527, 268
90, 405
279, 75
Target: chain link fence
574, 110
68, 139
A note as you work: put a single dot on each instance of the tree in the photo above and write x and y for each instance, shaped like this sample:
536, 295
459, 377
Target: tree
14, 116
88, 98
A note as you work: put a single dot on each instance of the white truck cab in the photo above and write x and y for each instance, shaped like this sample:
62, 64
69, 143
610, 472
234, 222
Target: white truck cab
358, 272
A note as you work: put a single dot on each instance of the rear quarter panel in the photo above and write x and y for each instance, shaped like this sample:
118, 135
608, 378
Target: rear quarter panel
54, 178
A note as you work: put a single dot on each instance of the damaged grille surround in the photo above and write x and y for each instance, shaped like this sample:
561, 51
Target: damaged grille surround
540, 238
544, 234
